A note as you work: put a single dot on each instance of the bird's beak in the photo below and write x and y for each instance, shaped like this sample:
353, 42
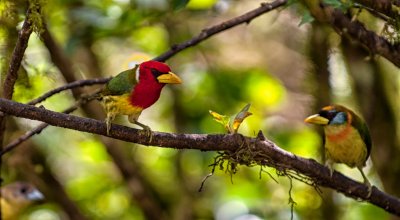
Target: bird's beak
169, 78
317, 119
35, 195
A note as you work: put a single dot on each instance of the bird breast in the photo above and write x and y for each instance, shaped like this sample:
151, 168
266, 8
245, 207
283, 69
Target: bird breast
343, 144
120, 105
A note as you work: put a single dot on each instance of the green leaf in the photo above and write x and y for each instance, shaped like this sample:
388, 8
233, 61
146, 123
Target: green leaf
307, 18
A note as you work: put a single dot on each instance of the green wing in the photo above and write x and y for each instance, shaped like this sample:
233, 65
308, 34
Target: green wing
121, 84
362, 128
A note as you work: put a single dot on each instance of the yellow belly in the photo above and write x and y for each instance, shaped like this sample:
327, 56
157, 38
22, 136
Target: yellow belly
11, 211
120, 105
351, 150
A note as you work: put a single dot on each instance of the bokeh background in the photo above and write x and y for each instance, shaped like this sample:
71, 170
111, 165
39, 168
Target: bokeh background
284, 65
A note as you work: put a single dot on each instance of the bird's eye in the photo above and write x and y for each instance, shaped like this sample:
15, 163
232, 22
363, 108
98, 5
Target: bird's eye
23, 190
327, 114
323, 114
155, 72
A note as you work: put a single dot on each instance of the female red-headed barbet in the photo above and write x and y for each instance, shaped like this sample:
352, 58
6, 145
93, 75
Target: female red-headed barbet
17, 196
347, 138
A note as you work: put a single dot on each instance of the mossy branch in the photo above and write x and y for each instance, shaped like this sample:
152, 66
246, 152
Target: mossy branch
263, 152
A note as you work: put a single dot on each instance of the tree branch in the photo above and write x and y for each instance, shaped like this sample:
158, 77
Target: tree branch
208, 32
16, 59
48, 94
15, 63
267, 153
356, 30
380, 6
72, 85
36, 130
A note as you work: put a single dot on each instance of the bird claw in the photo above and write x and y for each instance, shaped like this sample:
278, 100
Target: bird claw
108, 124
148, 132
109, 119
146, 129
369, 189
328, 163
366, 182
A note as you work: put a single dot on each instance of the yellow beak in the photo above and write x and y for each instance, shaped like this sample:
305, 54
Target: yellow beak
316, 119
169, 78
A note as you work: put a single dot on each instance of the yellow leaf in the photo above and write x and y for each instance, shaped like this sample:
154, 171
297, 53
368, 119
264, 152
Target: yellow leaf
244, 113
217, 116
222, 119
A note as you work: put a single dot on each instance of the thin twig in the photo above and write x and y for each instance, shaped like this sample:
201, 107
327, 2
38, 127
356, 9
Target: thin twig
204, 180
380, 7
79, 83
374, 12
208, 32
291, 200
15, 63
16, 58
356, 30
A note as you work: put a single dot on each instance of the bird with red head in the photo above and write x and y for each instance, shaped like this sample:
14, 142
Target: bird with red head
133, 90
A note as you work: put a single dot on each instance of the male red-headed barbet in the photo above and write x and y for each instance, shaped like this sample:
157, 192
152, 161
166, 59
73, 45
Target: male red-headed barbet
133, 90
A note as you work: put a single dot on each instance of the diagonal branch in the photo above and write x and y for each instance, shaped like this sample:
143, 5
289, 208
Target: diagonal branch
344, 25
208, 32
16, 59
381, 6
15, 63
356, 30
72, 85
271, 154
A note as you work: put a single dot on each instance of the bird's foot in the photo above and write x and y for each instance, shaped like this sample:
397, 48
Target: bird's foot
366, 182
108, 125
369, 189
329, 164
147, 130
110, 117
330, 171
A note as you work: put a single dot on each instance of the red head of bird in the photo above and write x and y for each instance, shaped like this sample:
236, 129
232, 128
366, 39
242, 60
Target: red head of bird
136, 89
151, 77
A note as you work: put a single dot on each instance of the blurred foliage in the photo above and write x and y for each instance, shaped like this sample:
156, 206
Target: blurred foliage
263, 63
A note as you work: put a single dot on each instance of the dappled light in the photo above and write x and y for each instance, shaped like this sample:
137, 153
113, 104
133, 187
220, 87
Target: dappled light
227, 139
